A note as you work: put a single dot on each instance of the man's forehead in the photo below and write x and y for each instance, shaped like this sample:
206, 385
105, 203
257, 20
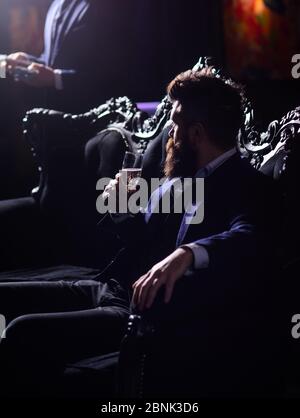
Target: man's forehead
176, 111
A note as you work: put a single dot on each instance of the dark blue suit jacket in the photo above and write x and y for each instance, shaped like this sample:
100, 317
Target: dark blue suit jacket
73, 16
76, 49
240, 230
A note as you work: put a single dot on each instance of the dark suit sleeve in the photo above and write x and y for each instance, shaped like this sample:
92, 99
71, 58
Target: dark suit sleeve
238, 242
39, 60
251, 235
72, 78
81, 72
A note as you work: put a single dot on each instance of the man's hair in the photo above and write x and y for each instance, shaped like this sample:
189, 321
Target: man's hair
212, 101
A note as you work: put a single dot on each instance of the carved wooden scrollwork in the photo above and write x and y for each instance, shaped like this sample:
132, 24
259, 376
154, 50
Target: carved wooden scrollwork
279, 137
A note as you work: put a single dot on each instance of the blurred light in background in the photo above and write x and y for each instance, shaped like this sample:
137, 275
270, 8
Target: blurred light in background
22, 23
25, 28
260, 37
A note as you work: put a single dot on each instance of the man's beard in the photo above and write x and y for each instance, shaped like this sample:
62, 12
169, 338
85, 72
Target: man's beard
180, 160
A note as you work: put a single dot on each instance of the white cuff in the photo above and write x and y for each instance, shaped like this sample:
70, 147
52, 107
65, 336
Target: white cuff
3, 66
58, 80
201, 257
2, 71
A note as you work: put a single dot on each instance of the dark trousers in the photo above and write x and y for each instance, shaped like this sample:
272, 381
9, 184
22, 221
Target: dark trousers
52, 324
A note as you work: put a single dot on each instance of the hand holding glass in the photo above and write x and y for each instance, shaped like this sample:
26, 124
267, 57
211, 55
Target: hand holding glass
132, 169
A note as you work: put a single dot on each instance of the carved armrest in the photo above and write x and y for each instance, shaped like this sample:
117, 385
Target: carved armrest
282, 136
48, 131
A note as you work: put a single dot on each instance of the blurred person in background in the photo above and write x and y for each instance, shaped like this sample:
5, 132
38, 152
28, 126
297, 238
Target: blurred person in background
69, 69
71, 74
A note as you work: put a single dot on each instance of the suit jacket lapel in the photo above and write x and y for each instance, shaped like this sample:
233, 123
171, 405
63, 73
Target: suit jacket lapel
219, 176
48, 31
157, 196
193, 206
76, 9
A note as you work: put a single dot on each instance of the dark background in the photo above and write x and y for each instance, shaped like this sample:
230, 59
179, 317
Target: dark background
152, 41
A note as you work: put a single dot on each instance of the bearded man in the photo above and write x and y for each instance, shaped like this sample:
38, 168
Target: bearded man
208, 287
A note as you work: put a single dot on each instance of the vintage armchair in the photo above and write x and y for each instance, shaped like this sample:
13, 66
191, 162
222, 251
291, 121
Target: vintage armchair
57, 223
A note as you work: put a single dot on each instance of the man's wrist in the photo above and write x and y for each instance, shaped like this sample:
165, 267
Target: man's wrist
189, 259
200, 256
190, 255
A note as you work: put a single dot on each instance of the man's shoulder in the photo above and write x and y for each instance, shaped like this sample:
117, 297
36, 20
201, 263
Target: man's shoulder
240, 169
238, 179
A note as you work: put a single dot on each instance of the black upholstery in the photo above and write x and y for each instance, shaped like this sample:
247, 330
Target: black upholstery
93, 378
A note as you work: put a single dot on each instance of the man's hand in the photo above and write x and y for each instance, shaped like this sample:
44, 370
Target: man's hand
44, 76
112, 188
19, 59
165, 273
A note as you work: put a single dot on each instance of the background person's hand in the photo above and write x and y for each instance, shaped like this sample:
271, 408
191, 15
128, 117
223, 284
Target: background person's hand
43, 77
3, 69
165, 273
19, 59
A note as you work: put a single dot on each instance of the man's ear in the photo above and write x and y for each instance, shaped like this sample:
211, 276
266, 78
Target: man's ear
197, 134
